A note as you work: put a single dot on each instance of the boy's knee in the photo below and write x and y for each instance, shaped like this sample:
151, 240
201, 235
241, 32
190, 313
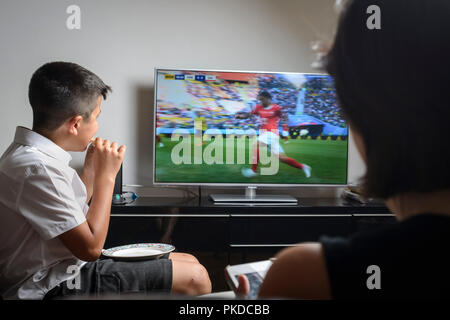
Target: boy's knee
199, 282
190, 278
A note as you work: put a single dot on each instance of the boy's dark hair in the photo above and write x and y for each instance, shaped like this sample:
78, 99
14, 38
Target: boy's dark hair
393, 86
265, 94
60, 90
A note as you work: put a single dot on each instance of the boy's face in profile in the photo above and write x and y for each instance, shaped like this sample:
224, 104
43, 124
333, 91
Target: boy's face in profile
89, 127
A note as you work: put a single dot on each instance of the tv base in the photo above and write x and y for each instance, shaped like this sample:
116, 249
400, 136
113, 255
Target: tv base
251, 196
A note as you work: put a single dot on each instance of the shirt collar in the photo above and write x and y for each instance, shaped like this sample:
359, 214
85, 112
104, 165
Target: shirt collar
31, 138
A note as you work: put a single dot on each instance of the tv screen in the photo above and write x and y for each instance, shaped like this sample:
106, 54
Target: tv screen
251, 128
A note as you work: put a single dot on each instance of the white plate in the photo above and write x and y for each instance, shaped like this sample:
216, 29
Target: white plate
138, 251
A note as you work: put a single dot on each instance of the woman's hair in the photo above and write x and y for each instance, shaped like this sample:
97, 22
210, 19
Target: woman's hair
60, 90
393, 86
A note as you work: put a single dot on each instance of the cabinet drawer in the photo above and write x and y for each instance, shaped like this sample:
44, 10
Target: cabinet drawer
202, 233
280, 231
185, 232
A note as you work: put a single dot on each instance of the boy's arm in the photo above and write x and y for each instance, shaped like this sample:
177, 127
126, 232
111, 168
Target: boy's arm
86, 240
88, 174
88, 180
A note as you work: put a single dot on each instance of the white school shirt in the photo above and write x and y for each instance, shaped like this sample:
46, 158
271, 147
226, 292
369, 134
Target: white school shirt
41, 197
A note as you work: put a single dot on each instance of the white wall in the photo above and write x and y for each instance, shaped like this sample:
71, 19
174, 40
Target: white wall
122, 41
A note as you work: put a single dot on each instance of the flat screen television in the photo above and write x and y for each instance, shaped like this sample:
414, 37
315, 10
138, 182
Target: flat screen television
247, 128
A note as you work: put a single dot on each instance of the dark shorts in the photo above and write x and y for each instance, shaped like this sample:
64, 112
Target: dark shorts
110, 277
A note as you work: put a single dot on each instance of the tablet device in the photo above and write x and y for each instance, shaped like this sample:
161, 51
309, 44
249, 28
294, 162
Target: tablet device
254, 271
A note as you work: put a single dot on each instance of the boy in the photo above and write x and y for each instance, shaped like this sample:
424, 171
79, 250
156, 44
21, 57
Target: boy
48, 233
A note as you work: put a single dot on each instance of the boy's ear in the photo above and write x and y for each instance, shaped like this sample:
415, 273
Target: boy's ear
74, 124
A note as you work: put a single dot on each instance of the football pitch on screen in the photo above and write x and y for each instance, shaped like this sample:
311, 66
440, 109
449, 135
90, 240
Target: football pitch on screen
327, 158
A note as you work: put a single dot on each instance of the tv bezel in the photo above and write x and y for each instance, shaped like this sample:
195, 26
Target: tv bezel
231, 184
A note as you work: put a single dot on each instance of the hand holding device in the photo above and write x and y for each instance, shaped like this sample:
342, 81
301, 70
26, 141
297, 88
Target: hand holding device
243, 288
245, 279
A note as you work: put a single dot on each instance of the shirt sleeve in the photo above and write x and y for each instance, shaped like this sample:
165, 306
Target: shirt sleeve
47, 201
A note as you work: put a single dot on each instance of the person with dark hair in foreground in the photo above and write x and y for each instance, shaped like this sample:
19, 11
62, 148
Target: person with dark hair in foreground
392, 84
48, 233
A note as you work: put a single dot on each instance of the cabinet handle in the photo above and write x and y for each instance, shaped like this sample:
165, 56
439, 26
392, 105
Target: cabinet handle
374, 215
170, 215
290, 215
272, 245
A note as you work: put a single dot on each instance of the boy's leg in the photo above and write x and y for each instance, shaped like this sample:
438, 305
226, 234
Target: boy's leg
190, 278
107, 277
181, 273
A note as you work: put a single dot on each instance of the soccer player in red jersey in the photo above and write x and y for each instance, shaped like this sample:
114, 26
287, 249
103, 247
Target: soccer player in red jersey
269, 115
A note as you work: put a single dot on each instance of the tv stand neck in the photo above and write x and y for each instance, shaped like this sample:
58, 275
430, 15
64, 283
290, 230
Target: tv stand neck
250, 192
251, 196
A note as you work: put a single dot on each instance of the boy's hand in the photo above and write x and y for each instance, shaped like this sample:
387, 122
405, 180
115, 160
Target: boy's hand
107, 158
89, 159
88, 174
